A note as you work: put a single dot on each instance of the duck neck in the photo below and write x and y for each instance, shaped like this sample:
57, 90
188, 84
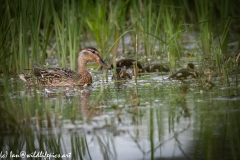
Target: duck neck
82, 67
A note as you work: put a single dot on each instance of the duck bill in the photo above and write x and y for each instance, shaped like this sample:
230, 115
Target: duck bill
102, 63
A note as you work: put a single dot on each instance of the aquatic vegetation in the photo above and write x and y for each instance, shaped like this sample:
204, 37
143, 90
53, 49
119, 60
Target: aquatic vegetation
69, 120
146, 117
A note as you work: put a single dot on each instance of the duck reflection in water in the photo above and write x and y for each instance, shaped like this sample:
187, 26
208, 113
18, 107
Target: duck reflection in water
86, 109
182, 101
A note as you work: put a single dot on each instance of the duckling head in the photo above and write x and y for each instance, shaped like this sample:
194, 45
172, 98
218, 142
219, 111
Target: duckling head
190, 66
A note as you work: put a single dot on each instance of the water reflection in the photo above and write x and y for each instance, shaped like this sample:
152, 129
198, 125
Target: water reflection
140, 121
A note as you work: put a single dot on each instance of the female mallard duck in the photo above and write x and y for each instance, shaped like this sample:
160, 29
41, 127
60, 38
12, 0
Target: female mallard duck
64, 76
185, 73
156, 68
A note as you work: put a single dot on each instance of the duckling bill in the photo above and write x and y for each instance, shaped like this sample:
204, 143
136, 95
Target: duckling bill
64, 76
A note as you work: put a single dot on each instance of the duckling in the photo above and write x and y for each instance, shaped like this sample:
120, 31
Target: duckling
122, 74
185, 73
156, 68
128, 65
64, 76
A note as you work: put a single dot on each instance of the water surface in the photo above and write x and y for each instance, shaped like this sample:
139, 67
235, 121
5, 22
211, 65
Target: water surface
154, 118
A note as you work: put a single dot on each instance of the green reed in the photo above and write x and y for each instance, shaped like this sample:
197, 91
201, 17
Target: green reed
205, 14
99, 25
23, 45
23, 31
61, 36
35, 22
224, 24
69, 28
4, 38
143, 16
223, 44
106, 19
79, 146
46, 32
172, 30
29, 28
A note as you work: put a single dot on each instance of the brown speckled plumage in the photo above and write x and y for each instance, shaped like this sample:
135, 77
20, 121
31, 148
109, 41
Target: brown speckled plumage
64, 76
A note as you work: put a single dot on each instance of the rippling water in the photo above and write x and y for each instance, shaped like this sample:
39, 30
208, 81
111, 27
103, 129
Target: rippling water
154, 118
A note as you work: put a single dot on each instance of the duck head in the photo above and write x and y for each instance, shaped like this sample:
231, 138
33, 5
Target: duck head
91, 54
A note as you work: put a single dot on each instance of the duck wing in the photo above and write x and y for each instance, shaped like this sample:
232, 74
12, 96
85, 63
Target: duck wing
55, 76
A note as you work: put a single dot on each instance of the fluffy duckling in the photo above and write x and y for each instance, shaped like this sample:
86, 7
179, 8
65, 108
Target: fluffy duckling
185, 73
126, 68
128, 63
122, 74
156, 68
